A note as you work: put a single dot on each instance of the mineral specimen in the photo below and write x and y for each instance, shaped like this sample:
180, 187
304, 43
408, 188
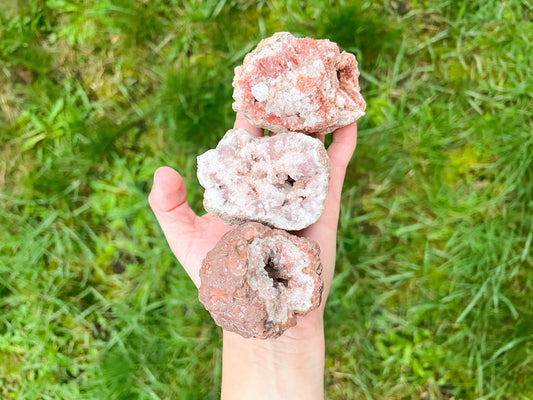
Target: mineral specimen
302, 85
257, 280
279, 180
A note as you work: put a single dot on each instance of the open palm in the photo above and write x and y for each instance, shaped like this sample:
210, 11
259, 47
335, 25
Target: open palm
191, 236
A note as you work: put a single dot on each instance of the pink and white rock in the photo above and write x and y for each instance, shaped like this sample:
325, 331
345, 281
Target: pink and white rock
302, 85
279, 180
257, 280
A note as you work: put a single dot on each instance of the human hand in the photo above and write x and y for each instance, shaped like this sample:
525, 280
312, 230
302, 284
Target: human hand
190, 237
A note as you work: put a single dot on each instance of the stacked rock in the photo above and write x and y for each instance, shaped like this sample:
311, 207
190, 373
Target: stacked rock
259, 277
298, 85
279, 180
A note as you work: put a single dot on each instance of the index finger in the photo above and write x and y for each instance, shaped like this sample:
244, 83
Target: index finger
243, 123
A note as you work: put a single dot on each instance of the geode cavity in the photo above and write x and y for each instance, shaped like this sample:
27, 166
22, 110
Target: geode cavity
257, 280
279, 180
302, 85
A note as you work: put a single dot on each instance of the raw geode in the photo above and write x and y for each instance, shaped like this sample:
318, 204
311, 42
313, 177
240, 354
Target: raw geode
302, 85
257, 280
279, 180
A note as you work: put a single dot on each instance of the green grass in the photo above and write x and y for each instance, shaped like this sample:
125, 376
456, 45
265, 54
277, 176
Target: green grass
432, 295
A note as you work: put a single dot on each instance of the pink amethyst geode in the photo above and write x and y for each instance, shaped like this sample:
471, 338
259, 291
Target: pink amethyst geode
279, 180
300, 85
257, 280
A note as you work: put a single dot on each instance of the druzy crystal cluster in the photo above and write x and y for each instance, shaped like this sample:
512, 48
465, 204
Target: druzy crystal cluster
298, 85
259, 277
279, 180
257, 280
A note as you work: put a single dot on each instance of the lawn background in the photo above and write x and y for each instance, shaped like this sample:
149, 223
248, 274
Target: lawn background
432, 297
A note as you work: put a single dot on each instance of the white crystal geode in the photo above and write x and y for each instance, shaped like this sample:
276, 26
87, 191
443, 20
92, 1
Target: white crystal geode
279, 180
298, 84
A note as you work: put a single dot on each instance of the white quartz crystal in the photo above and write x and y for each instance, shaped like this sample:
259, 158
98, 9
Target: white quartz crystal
279, 180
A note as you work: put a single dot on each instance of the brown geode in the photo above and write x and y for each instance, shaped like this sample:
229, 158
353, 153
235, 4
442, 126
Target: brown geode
257, 280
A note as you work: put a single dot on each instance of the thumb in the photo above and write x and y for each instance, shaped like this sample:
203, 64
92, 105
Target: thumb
168, 200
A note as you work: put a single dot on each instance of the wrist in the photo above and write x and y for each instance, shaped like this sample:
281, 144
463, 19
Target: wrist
291, 366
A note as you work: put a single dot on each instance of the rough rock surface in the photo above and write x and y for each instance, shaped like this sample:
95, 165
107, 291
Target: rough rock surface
257, 280
301, 85
279, 180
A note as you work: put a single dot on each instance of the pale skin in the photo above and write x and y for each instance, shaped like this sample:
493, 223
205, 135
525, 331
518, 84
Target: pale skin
292, 366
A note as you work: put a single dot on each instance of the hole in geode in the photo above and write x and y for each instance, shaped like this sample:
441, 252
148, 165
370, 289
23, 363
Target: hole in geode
268, 325
274, 274
290, 181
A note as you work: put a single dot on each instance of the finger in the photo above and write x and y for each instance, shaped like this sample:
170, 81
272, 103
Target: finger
341, 149
340, 152
242, 122
168, 199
